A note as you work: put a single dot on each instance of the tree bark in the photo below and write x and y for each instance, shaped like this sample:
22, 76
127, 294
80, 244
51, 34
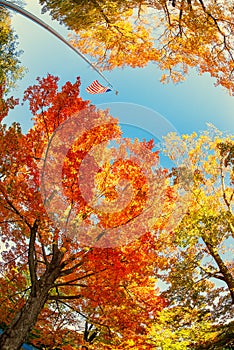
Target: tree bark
227, 276
21, 326
16, 334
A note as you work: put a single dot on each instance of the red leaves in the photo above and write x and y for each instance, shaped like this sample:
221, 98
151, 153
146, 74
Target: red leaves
43, 94
50, 107
6, 104
113, 287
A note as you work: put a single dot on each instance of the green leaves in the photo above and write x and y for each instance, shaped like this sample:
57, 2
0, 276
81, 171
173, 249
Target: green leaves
10, 68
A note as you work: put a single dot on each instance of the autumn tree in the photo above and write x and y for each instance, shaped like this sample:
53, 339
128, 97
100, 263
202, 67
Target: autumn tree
83, 272
10, 67
200, 275
174, 34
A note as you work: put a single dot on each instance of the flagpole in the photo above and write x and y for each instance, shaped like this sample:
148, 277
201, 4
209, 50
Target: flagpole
52, 31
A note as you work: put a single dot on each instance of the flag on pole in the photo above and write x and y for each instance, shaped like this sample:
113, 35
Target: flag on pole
97, 88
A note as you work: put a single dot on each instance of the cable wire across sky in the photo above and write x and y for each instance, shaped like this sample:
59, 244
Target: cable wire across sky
35, 19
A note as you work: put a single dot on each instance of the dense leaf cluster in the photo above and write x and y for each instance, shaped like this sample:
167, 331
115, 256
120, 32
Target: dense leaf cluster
10, 67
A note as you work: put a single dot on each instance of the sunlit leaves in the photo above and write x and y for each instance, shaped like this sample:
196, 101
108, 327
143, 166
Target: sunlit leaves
10, 69
111, 287
133, 33
200, 273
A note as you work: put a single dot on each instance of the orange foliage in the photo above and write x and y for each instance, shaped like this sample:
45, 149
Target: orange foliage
80, 277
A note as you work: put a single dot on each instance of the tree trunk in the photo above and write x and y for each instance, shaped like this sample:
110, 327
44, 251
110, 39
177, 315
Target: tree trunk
21, 326
227, 276
16, 334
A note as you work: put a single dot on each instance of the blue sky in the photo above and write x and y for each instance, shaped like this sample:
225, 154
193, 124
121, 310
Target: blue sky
187, 106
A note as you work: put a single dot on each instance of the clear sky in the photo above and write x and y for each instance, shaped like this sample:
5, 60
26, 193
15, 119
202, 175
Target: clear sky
187, 106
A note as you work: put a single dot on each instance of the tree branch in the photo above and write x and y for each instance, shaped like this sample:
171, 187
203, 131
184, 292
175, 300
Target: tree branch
72, 269
13, 208
32, 258
64, 297
227, 277
43, 250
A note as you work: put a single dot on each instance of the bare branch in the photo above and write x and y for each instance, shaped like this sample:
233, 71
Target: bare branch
32, 258
64, 297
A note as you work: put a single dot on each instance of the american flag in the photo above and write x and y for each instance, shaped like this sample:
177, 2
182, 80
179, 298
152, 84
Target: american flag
97, 88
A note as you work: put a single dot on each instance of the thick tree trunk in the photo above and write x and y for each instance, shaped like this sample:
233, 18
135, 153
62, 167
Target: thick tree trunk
21, 326
227, 276
16, 334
